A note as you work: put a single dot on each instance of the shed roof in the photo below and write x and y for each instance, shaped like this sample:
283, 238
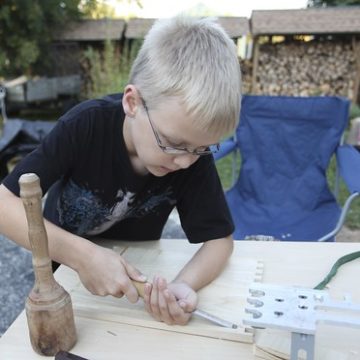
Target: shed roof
138, 28
93, 30
234, 26
306, 21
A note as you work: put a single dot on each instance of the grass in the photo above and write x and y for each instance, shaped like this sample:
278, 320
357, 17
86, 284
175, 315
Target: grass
224, 167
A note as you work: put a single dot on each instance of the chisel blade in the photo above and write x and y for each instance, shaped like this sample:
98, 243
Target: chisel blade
216, 320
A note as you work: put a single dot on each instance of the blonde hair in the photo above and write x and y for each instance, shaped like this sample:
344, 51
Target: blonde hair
195, 61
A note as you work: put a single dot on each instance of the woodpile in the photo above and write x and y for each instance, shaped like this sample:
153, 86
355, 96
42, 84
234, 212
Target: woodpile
246, 75
306, 69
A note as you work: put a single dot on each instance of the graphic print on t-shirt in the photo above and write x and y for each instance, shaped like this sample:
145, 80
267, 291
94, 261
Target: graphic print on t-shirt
82, 211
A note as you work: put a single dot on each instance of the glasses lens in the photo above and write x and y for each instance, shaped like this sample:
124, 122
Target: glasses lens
170, 150
200, 151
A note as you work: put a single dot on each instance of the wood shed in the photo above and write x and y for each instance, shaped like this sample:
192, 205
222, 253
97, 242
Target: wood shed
236, 27
306, 52
68, 45
314, 51
89, 31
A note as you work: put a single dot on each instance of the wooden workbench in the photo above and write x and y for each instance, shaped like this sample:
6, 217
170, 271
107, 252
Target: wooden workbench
102, 336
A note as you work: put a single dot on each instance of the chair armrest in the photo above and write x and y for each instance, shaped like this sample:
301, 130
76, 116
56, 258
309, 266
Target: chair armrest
226, 147
348, 160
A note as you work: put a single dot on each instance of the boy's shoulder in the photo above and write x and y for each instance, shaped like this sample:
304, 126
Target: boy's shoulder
108, 102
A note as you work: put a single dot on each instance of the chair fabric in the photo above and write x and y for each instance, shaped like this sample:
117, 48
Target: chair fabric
286, 144
348, 159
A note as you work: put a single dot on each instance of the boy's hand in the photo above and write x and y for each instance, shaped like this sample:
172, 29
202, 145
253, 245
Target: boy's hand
105, 272
171, 303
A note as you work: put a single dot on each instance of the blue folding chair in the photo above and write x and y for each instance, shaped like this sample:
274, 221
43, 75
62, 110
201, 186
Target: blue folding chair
286, 144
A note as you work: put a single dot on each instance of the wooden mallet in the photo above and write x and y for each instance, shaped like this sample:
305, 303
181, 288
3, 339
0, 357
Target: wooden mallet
48, 307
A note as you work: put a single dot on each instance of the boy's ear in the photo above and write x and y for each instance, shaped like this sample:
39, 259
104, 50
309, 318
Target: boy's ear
131, 100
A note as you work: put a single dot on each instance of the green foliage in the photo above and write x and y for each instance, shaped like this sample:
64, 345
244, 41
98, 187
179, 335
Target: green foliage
26, 30
354, 111
322, 3
353, 217
108, 70
99, 9
224, 167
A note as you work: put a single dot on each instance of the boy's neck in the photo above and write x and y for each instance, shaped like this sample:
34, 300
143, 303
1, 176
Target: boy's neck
134, 159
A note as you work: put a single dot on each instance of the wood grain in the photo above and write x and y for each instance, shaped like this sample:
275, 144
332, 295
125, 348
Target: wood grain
225, 297
288, 263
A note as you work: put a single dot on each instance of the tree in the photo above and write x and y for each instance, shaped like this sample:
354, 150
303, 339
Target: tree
27, 28
103, 8
329, 3
98, 9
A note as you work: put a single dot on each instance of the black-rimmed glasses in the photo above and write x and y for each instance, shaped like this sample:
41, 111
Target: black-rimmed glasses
201, 150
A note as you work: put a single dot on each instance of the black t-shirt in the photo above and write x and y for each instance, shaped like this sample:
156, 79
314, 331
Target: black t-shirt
93, 189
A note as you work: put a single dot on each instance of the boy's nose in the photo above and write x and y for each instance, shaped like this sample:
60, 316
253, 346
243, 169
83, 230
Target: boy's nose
185, 160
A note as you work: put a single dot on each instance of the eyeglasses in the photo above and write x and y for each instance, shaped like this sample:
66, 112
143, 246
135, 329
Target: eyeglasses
201, 150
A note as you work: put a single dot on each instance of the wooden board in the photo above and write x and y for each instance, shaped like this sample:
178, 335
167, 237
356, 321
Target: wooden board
225, 297
288, 263
106, 340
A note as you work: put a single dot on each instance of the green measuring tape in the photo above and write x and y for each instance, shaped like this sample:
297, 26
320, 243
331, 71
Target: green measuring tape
343, 260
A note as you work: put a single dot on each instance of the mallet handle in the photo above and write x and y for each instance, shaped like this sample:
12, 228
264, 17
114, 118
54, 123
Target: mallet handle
48, 306
31, 194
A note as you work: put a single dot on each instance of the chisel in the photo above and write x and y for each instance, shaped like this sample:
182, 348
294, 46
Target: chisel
140, 287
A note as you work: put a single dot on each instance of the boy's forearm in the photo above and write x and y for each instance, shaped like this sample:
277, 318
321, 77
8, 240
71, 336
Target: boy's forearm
67, 248
64, 247
207, 263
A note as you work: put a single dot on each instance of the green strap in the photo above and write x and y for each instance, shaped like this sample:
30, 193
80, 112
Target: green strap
343, 260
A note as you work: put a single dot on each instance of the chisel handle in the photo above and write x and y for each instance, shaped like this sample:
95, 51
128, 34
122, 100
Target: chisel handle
140, 287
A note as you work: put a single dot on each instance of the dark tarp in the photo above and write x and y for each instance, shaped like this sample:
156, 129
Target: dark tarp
20, 137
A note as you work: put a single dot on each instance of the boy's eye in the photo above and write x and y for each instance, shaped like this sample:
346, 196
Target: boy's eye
177, 145
174, 143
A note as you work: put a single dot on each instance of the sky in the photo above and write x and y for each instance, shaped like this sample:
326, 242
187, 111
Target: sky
168, 8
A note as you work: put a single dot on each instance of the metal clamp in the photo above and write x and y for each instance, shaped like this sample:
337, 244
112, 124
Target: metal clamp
297, 310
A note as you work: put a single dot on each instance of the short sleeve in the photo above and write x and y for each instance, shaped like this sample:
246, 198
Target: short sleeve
51, 160
203, 211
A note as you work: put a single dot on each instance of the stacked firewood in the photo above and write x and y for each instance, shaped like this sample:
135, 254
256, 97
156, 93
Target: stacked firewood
246, 75
306, 68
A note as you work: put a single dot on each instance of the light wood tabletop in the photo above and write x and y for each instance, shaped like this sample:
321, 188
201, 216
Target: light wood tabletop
110, 328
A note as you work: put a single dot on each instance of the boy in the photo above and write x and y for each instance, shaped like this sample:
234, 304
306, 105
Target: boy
116, 167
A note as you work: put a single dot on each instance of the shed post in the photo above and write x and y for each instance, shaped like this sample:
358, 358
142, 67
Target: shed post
356, 50
255, 65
